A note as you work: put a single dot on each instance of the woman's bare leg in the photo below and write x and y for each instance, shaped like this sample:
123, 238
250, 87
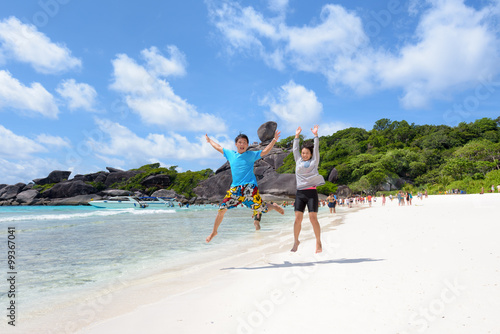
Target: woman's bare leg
296, 229
313, 217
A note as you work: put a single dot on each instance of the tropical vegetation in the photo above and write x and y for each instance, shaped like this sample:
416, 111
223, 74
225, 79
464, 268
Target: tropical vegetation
396, 154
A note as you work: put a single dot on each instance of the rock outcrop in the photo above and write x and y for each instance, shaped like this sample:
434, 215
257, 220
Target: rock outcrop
75, 200
116, 177
333, 176
214, 188
69, 189
10, 192
266, 132
344, 191
54, 177
27, 197
99, 177
160, 181
114, 170
164, 193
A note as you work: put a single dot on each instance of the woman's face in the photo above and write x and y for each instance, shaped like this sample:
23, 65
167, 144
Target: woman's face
305, 154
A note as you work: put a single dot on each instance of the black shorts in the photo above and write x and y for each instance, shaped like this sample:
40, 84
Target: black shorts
307, 197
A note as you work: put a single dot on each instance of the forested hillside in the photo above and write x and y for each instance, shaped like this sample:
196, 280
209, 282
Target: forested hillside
433, 157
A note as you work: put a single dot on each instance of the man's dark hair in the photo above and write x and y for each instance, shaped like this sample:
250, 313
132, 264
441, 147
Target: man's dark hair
241, 135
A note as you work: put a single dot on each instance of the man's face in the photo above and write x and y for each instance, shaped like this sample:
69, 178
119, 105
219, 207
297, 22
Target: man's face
241, 145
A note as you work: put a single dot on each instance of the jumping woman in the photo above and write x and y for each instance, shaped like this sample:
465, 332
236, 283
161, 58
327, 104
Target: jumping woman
308, 178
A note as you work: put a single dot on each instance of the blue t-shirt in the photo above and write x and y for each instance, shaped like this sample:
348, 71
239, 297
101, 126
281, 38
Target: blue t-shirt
242, 166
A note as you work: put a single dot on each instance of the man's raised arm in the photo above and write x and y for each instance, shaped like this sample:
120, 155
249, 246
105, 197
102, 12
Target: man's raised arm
214, 144
271, 144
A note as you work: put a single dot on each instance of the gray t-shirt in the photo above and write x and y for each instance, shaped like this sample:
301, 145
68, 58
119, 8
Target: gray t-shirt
306, 172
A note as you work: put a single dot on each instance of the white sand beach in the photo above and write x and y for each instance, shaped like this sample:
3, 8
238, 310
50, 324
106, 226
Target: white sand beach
433, 267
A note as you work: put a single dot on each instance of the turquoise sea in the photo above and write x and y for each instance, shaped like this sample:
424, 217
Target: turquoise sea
65, 252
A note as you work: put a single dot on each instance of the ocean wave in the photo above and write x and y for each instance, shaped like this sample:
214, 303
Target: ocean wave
97, 213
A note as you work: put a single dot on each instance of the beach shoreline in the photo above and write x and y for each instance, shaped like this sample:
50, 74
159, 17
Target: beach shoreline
427, 268
124, 294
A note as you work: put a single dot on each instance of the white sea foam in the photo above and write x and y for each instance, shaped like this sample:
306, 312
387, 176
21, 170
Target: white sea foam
70, 216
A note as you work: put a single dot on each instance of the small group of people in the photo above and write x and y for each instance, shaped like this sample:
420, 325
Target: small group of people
492, 189
404, 196
244, 190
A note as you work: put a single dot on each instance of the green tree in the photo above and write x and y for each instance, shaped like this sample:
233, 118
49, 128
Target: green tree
382, 124
480, 150
375, 179
483, 125
457, 168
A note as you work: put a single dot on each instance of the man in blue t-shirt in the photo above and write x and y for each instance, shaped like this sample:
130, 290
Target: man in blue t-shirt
244, 188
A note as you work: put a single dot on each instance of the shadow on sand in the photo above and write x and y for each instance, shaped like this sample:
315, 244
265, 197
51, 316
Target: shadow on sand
287, 264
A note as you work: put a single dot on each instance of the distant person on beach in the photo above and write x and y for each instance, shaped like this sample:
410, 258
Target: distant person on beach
498, 188
308, 178
332, 202
383, 199
257, 216
482, 190
244, 186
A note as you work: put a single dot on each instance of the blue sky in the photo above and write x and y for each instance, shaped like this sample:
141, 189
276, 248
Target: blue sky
89, 84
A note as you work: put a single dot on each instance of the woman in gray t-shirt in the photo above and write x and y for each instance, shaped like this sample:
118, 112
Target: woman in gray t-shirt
308, 178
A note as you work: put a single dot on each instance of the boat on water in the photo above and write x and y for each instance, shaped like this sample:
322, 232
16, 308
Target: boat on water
128, 202
158, 202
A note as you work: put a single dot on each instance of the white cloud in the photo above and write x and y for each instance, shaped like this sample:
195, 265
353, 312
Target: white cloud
246, 30
162, 66
327, 129
131, 78
77, 95
453, 47
279, 6
17, 147
119, 141
53, 141
36, 99
294, 105
14, 171
317, 48
154, 99
24, 43
309, 48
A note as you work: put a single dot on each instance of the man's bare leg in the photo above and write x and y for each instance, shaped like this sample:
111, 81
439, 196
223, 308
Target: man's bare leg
218, 220
313, 217
276, 207
297, 225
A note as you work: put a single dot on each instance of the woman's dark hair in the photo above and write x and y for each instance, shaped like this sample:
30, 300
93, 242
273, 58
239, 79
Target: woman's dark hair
309, 145
241, 135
